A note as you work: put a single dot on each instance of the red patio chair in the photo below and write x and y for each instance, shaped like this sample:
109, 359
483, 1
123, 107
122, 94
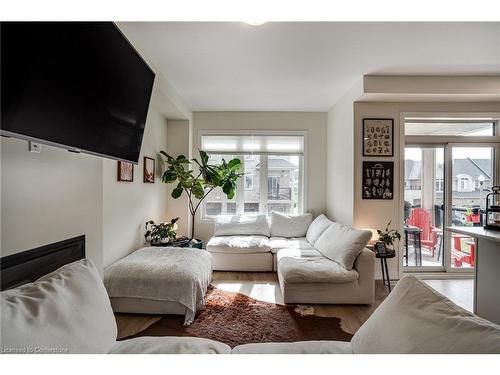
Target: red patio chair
422, 219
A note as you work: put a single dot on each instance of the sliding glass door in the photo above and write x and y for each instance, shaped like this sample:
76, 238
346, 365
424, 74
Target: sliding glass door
472, 174
449, 167
423, 208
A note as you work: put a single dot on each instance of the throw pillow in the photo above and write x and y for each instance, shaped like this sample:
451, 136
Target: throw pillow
283, 225
342, 244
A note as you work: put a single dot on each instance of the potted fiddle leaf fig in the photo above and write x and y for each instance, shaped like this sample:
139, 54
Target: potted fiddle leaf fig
197, 185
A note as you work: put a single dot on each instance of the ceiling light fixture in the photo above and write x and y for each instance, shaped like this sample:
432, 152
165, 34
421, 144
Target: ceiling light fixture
255, 23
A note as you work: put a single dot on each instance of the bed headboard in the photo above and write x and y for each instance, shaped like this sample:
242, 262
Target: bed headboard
27, 266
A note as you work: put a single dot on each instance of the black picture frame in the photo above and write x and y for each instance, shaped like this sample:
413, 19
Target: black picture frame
378, 137
378, 180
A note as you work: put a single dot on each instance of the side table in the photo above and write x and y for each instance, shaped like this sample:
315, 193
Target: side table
385, 270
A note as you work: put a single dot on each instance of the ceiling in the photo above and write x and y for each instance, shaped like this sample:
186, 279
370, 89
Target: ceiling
218, 66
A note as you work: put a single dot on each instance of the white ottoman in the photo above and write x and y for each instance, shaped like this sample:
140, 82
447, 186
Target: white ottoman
160, 280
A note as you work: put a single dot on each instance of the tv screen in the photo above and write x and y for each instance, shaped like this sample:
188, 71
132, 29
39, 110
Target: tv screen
79, 85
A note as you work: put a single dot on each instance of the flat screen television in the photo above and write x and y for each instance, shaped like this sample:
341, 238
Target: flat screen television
77, 85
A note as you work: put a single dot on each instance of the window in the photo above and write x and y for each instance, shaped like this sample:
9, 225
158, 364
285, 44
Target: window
273, 170
465, 183
251, 207
213, 208
273, 187
248, 181
439, 185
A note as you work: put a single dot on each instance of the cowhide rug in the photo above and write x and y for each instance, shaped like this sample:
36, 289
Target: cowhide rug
236, 319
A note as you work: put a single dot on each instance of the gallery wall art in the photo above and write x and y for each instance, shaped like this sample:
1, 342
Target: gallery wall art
378, 180
125, 171
149, 170
378, 137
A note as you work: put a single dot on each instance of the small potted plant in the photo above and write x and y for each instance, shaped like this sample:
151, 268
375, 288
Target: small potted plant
162, 232
386, 239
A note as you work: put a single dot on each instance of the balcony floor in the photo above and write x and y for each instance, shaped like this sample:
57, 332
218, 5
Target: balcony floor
427, 259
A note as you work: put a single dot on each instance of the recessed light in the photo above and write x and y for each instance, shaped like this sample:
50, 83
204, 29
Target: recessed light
255, 23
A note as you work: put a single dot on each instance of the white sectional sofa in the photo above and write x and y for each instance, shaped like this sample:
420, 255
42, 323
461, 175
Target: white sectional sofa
316, 261
68, 311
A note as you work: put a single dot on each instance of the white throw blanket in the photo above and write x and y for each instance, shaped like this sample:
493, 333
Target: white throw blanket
163, 274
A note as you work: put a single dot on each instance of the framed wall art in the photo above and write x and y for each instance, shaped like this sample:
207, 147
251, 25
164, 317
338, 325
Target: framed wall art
378, 180
125, 171
378, 137
149, 170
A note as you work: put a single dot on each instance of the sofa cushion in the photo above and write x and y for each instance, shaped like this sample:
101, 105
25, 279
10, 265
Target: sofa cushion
65, 311
278, 243
415, 318
310, 266
317, 227
300, 347
239, 244
170, 345
283, 225
342, 244
240, 225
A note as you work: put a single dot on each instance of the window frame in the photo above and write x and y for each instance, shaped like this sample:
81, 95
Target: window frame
303, 183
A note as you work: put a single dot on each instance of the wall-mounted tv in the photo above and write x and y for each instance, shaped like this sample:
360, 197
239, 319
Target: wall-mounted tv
78, 85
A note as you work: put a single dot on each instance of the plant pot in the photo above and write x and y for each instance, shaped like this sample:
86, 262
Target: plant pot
198, 245
165, 240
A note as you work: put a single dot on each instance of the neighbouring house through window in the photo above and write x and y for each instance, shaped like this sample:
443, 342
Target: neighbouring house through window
273, 167
249, 181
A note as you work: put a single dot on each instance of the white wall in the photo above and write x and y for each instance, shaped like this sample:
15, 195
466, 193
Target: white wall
376, 213
312, 122
128, 205
178, 143
56, 195
49, 197
340, 158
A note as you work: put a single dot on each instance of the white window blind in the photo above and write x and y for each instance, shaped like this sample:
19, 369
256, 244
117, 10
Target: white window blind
260, 144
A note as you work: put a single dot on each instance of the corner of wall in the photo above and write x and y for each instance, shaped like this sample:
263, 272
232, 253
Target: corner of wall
340, 156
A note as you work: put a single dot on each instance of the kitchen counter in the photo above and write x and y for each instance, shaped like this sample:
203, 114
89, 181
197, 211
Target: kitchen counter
477, 232
486, 271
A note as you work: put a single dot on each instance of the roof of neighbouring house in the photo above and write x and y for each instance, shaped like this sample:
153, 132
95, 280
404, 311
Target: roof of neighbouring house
278, 163
469, 167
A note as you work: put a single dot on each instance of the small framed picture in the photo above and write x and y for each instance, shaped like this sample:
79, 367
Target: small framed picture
149, 170
378, 137
380, 248
378, 180
125, 171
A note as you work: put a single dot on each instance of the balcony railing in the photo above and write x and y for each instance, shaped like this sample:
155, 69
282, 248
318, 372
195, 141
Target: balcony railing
280, 194
459, 215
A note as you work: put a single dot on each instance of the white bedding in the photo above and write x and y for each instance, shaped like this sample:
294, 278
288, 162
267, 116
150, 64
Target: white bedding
164, 274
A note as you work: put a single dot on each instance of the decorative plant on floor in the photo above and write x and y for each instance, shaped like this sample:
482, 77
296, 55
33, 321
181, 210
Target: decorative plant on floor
197, 186
161, 232
388, 236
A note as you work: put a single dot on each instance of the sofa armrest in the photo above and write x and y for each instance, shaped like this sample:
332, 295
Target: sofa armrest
365, 265
365, 262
